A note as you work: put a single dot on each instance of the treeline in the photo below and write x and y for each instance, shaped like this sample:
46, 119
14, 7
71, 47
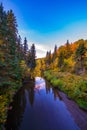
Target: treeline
16, 59
70, 57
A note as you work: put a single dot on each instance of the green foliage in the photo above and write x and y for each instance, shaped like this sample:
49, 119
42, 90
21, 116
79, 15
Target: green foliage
57, 83
48, 76
53, 80
82, 104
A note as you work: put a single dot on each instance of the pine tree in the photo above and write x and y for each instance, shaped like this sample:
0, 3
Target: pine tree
54, 53
3, 41
18, 47
68, 51
80, 57
25, 49
29, 58
32, 57
48, 59
12, 33
60, 59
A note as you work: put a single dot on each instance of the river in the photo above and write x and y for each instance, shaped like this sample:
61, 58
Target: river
38, 106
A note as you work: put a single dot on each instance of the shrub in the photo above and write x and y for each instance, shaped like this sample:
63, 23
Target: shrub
57, 82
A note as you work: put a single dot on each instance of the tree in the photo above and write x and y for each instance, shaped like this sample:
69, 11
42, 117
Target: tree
48, 58
12, 32
3, 41
60, 59
54, 53
68, 50
80, 57
18, 48
32, 56
25, 49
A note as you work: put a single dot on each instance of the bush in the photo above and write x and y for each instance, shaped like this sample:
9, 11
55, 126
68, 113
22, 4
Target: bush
56, 82
82, 104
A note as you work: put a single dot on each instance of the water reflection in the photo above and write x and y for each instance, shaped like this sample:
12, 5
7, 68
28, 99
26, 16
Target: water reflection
34, 108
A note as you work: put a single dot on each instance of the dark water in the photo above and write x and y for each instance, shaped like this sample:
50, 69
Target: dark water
39, 107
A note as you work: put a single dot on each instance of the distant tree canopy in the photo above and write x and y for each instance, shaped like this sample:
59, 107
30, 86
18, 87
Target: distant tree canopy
68, 57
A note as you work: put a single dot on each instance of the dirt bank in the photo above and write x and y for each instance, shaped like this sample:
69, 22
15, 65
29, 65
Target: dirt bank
78, 114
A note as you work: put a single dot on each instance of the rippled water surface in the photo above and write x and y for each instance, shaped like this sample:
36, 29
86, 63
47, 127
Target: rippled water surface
39, 107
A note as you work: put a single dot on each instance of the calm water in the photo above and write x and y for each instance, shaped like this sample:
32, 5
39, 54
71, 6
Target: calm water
39, 107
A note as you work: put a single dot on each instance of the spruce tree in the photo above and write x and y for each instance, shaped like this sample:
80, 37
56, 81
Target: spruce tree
12, 33
3, 42
25, 49
32, 56
68, 50
54, 53
60, 59
80, 57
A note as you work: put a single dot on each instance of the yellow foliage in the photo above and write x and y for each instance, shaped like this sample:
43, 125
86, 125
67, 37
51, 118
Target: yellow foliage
1, 42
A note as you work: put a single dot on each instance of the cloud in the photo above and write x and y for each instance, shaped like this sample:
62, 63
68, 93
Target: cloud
36, 38
41, 50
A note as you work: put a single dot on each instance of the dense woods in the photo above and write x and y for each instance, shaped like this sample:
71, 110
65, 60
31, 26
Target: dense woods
16, 59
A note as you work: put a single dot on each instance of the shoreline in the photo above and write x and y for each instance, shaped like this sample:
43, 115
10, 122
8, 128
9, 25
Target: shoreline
79, 115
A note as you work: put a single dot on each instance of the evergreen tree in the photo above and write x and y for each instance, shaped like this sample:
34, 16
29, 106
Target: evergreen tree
12, 32
60, 59
68, 50
80, 57
32, 57
29, 58
25, 49
3, 42
18, 48
48, 59
54, 53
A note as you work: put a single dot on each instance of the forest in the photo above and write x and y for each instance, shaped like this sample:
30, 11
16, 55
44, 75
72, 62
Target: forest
16, 60
65, 68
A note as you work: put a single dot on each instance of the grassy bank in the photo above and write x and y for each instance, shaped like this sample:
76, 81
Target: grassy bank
74, 86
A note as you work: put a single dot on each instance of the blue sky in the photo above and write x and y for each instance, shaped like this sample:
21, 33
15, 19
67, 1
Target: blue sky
49, 22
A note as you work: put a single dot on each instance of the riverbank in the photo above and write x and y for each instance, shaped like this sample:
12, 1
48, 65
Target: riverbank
79, 115
74, 86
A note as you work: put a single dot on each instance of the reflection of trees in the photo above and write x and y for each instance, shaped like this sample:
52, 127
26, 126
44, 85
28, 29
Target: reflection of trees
18, 106
15, 115
56, 94
30, 89
47, 87
55, 91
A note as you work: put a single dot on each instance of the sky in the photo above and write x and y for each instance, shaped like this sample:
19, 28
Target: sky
49, 22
